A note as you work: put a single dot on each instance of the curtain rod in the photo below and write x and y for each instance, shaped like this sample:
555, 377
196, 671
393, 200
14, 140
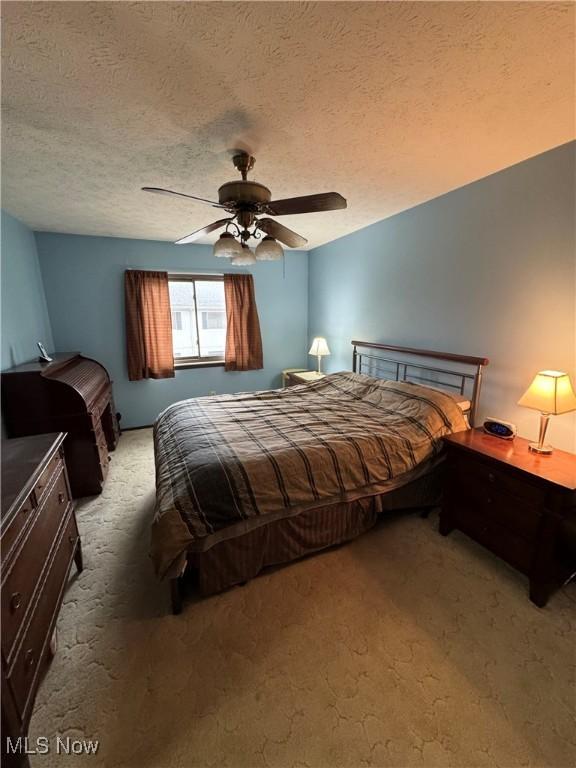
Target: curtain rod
175, 271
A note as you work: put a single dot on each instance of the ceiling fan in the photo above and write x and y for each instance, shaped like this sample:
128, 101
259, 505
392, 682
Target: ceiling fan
246, 201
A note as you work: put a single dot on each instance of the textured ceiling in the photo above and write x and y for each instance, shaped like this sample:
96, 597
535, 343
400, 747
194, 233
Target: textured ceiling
390, 104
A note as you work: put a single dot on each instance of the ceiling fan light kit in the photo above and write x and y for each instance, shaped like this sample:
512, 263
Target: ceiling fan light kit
247, 200
227, 246
245, 258
269, 250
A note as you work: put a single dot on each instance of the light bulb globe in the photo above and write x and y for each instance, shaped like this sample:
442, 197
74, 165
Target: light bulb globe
227, 246
269, 250
245, 258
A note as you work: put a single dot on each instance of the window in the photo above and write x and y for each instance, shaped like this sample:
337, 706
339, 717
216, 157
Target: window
176, 321
198, 318
213, 320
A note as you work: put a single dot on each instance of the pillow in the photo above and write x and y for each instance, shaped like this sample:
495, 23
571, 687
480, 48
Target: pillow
461, 400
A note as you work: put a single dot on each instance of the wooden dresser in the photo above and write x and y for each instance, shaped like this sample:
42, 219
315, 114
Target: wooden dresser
38, 540
518, 504
72, 394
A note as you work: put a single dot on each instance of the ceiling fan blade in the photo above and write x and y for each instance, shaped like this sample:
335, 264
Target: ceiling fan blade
326, 201
282, 233
201, 232
160, 191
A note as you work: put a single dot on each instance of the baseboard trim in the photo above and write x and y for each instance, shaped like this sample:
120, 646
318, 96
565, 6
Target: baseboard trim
133, 429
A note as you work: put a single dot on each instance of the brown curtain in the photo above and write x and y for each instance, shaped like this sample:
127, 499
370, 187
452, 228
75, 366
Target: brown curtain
148, 325
243, 340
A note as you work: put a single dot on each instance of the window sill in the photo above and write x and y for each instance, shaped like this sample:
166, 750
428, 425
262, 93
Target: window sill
199, 364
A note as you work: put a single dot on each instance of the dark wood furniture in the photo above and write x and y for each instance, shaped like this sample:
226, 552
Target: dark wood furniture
519, 505
72, 394
38, 541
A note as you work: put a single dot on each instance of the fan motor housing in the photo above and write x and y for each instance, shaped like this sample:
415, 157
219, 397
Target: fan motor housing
243, 192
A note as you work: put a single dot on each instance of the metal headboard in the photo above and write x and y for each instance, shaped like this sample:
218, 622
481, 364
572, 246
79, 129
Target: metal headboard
385, 367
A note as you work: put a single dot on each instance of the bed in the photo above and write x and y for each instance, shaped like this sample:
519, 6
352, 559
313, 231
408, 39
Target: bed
256, 479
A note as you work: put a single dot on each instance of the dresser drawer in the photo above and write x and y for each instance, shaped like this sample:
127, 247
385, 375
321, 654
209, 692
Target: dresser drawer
102, 448
111, 427
98, 431
98, 406
16, 528
24, 673
45, 479
20, 582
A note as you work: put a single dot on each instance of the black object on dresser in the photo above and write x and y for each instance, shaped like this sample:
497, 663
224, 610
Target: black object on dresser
72, 394
518, 504
38, 540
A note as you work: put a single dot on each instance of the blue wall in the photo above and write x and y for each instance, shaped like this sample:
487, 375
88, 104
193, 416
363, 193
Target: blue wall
489, 269
24, 314
84, 284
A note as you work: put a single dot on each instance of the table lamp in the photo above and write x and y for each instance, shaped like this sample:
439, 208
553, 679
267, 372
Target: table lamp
319, 348
550, 393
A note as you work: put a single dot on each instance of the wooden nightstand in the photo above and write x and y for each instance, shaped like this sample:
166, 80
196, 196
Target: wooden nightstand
517, 504
303, 377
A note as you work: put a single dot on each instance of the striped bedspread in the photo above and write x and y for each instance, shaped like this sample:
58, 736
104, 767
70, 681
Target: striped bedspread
229, 463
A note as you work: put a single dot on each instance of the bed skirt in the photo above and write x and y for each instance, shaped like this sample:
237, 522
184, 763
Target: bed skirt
235, 561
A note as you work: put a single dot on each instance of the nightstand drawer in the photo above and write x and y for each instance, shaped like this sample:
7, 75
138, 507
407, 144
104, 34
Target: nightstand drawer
493, 500
475, 472
512, 548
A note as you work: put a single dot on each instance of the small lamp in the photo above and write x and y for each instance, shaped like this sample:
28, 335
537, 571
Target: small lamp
319, 348
550, 393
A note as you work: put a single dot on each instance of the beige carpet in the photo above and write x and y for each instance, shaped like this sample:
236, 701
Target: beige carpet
401, 649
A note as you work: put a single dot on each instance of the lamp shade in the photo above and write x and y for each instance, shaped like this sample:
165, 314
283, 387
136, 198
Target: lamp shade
269, 250
319, 347
245, 258
227, 246
550, 392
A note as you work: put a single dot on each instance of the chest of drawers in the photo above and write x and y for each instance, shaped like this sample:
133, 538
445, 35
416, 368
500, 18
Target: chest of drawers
38, 542
519, 505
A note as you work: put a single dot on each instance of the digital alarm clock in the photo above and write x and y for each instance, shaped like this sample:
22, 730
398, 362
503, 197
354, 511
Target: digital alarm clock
499, 428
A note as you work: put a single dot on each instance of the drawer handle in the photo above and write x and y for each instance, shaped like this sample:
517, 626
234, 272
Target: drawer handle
15, 601
61, 498
489, 500
72, 539
491, 477
29, 658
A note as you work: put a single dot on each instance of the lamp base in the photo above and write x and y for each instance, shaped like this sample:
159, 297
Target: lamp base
539, 447
545, 450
